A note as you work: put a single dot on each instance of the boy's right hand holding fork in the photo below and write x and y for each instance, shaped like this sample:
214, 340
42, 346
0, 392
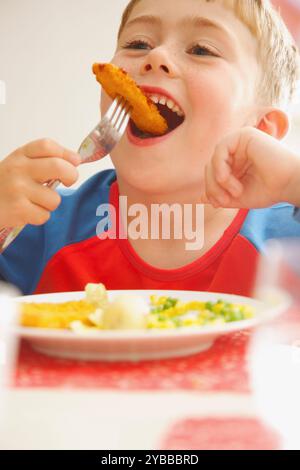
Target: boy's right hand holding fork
24, 197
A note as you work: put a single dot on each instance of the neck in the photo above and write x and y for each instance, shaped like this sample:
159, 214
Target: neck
192, 232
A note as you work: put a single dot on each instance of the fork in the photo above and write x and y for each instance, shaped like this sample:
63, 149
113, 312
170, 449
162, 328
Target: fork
95, 146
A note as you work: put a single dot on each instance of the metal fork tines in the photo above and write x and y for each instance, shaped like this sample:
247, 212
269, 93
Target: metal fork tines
105, 136
94, 147
108, 133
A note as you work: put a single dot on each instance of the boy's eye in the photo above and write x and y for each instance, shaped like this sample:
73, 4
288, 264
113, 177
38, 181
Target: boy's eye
197, 49
202, 51
140, 45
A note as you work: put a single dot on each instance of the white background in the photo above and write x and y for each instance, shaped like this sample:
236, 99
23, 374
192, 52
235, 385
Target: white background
47, 48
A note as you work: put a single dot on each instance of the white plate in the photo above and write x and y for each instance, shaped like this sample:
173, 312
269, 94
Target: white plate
137, 345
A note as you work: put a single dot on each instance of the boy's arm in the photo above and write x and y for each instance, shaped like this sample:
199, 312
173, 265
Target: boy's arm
25, 199
250, 169
292, 191
22, 263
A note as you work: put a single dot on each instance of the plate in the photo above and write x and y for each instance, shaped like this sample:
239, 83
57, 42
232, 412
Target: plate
138, 345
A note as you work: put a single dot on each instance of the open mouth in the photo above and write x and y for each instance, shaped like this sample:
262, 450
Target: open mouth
171, 111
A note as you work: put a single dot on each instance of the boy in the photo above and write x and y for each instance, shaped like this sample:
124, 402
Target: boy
223, 65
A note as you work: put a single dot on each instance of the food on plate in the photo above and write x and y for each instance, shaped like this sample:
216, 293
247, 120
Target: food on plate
145, 114
50, 315
62, 315
130, 312
96, 294
167, 312
127, 311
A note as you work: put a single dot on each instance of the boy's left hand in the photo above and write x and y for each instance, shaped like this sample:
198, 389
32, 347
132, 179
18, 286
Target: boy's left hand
250, 169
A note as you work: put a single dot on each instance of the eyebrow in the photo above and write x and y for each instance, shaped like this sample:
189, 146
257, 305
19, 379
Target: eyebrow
194, 21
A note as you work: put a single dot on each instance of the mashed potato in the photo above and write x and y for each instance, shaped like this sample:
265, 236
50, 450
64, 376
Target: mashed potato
126, 312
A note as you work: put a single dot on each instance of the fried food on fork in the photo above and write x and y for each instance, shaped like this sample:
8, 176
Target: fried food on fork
115, 81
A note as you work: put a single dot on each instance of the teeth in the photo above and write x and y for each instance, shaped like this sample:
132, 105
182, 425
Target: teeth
178, 111
167, 102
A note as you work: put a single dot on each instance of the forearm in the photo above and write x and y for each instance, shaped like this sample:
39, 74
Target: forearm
291, 193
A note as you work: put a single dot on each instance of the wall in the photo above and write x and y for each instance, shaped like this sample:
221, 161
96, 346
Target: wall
46, 52
47, 48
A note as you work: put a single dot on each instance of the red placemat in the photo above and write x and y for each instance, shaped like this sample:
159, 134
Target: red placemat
221, 368
221, 434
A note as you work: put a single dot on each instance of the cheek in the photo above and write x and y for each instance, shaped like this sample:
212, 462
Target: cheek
130, 64
213, 113
209, 95
214, 105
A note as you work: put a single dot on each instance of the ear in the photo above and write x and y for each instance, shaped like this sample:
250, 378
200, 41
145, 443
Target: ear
275, 123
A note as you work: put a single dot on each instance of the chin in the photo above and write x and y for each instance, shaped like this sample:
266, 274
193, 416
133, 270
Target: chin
151, 178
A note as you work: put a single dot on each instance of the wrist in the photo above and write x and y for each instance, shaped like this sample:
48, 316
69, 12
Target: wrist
291, 193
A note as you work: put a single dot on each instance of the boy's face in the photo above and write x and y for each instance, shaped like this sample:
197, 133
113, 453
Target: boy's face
204, 57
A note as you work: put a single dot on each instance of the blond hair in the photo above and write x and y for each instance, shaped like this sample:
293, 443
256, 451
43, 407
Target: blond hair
278, 53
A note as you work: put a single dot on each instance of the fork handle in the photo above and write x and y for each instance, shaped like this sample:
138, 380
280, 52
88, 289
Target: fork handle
8, 234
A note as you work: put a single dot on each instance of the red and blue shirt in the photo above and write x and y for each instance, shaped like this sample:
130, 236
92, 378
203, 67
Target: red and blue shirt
66, 253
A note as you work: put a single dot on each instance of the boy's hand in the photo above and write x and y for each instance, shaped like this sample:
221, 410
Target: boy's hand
23, 197
250, 169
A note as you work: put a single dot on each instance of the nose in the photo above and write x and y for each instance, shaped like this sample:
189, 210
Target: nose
158, 61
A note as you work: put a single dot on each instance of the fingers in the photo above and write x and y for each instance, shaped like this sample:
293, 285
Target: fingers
37, 215
24, 199
44, 197
24, 212
49, 148
46, 169
222, 186
222, 195
233, 186
215, 194
223, 164
32, 204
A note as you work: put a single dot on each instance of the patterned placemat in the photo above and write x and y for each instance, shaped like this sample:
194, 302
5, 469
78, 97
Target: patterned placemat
221, 368
221, 434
